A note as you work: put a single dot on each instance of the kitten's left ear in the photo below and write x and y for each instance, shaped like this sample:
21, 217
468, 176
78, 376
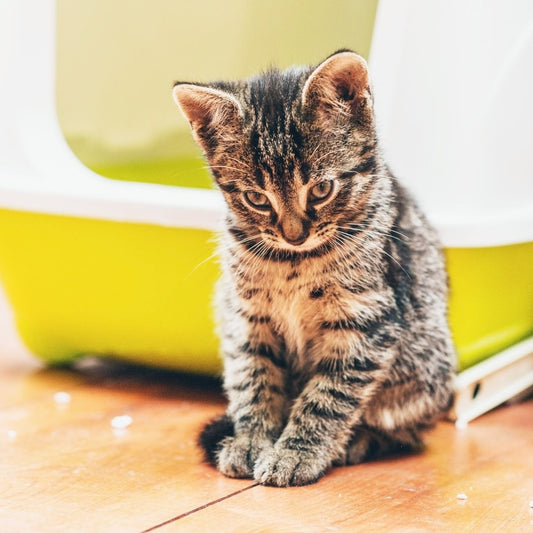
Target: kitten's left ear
213, 114
339, 86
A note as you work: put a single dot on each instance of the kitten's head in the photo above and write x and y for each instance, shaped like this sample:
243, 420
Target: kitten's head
294, 152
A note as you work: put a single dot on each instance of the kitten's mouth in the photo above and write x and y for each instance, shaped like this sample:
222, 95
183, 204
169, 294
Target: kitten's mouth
270, 246
306, 245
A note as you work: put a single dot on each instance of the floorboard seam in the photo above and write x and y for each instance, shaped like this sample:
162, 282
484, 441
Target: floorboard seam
200, 508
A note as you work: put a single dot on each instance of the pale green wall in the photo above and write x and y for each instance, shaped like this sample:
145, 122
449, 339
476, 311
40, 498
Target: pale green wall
117, 60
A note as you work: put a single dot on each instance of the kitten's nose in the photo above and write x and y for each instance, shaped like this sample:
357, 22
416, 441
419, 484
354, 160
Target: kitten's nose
297, 241
295, 231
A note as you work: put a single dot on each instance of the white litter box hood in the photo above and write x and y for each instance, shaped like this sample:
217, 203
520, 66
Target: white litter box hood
453, 84
38, 171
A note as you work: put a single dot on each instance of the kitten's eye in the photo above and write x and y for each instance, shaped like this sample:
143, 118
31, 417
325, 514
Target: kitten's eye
257, 200
320, 192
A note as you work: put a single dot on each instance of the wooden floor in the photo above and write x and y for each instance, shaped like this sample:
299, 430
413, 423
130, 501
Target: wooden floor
64, 468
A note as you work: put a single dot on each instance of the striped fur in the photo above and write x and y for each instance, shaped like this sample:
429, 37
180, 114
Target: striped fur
332, 311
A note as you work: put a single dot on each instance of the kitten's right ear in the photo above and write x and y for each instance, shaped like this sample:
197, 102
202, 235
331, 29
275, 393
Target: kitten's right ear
213, 114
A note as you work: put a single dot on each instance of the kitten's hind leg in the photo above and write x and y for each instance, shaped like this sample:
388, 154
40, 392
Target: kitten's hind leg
370, 443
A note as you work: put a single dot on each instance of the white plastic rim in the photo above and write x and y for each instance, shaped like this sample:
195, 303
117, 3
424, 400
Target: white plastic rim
106, 199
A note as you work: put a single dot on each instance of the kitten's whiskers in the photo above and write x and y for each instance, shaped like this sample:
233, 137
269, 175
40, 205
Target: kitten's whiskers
349, 238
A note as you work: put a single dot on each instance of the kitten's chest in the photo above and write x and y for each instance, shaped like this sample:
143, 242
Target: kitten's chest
297, 307
294, 316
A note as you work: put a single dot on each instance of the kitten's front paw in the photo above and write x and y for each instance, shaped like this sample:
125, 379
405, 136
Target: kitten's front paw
282, 467
238, 455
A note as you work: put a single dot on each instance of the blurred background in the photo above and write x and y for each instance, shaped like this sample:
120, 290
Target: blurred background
117, 61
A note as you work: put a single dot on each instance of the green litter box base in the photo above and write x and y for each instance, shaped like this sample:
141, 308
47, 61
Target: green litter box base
491, 299
132, 291
143, 292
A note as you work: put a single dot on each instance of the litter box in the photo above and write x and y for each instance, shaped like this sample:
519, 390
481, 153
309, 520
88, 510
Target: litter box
91, 265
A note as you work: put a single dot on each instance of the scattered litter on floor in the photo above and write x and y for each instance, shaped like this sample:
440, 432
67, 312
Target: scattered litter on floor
462, 496
62, 398
121, 422
461, 423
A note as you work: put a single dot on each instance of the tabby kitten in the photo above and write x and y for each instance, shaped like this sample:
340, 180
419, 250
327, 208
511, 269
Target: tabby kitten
333, 298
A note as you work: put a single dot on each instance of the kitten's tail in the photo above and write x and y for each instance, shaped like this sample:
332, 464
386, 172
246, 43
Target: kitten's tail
212, 435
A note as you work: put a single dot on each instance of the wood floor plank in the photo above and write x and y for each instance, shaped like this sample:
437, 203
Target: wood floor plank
491, 462
66, 469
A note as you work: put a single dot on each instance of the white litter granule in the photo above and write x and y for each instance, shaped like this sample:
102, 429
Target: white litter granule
531, 504
62, 398
11, 434
462, 496
121, 422
461, 423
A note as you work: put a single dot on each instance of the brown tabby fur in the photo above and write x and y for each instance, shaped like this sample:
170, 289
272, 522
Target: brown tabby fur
332, 310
